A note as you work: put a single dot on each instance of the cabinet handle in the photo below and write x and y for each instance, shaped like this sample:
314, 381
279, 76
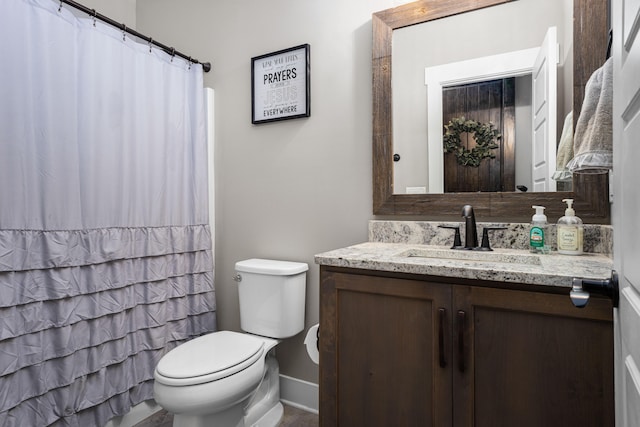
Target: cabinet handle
441, 319
461, 323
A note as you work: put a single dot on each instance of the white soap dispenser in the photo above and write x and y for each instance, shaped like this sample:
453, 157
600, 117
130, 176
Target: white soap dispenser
570, 232
538, 231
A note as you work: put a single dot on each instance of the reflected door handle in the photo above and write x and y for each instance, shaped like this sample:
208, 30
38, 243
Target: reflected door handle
582, 288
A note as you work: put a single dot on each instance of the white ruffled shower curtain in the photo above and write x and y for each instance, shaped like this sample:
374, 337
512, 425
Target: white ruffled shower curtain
105, 247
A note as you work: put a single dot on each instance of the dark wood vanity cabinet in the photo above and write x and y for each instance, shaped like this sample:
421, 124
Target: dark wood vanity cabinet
379, 352
398, 350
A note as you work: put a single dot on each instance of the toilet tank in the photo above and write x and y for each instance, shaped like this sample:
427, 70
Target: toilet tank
272, 296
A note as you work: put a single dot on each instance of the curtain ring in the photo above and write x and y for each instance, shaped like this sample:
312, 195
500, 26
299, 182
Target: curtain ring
124, 32
173, 54
150, 43
94, 14
60, 7
190, 62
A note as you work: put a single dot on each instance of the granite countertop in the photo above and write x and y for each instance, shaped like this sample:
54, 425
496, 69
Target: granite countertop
501, 265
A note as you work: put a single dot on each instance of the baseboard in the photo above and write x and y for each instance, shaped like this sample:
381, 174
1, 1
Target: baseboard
299, 393
137, 414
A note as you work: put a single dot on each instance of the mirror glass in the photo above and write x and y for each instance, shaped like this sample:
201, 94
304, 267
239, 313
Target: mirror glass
455, 55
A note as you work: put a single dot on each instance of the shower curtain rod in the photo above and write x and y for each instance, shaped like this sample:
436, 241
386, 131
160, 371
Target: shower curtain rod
206, 66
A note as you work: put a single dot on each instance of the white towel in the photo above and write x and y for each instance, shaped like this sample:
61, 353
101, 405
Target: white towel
593, 140
565, 151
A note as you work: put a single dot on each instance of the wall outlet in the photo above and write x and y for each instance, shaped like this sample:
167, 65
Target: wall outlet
416, 190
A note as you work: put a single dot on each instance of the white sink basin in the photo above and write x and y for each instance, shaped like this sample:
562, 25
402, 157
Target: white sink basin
468, 255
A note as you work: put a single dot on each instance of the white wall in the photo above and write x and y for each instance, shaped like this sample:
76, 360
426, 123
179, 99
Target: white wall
123, 11
284, 190
524, 124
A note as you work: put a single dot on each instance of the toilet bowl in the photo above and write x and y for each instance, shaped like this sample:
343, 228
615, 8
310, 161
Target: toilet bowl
201, 380
231, 379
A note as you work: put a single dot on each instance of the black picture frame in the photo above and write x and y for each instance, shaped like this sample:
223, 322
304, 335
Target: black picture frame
281, 85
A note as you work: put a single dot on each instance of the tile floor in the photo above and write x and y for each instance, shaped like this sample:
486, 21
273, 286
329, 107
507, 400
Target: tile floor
293, 417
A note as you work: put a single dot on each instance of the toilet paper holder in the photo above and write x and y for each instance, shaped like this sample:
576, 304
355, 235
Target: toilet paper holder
313, 348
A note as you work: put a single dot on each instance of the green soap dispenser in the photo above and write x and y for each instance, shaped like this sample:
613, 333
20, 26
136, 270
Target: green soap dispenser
570, 232
537, 243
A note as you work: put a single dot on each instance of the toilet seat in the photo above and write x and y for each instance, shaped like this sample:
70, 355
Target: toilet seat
209, 358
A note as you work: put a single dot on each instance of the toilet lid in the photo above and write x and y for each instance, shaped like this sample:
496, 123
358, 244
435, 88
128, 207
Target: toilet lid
214, 355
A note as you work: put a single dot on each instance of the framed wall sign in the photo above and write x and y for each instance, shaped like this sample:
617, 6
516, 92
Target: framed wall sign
280, 87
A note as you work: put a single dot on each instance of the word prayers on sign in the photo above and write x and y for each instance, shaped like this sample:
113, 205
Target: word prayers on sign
281, 85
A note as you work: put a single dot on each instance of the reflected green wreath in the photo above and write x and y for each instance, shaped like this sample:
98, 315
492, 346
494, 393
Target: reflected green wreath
484, 133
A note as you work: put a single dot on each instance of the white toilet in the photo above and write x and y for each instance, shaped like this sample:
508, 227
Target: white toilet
231, 379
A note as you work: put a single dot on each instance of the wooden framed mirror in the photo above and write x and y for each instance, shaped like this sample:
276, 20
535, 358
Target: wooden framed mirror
590, 192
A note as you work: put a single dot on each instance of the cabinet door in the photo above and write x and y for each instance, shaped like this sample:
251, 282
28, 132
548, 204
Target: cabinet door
385, 351
531, 359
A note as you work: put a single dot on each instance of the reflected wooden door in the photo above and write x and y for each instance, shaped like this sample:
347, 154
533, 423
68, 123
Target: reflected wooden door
545, 109
490, 101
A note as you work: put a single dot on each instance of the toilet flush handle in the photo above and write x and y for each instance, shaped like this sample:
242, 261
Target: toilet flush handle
237, 277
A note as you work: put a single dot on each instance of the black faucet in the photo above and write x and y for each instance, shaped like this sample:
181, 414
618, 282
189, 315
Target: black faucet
470, 231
